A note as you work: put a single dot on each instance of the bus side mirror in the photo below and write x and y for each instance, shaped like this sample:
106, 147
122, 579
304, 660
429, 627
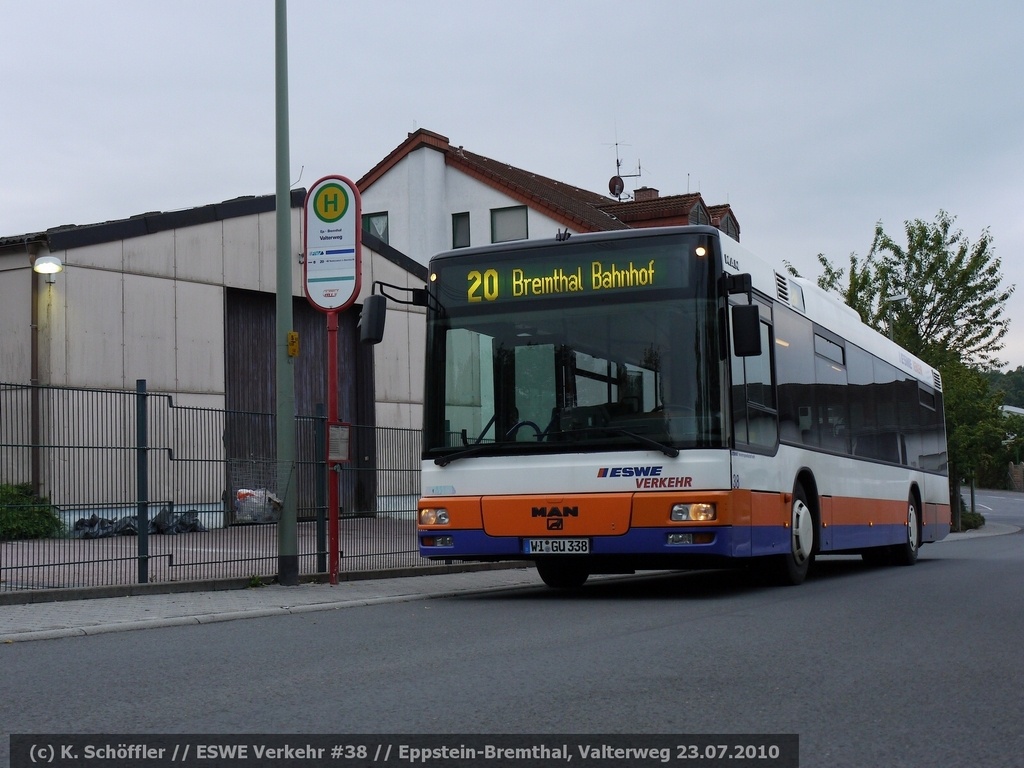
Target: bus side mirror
746, 330
371, 319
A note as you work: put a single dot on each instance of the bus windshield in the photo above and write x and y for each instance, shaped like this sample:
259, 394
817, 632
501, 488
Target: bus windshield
567, 347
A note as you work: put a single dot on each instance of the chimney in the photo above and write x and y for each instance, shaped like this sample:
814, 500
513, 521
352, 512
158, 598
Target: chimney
644, 194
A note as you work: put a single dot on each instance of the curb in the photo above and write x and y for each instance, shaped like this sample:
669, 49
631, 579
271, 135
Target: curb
27, 596
256, 613
989, 529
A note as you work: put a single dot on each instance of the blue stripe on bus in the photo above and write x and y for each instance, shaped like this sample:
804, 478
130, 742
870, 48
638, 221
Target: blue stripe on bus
768, 540
638, 541
735, 542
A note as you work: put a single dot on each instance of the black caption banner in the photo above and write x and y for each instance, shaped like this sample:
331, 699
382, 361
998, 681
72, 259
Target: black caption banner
455, 750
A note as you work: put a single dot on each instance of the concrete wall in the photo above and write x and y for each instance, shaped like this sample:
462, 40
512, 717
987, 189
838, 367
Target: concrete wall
152, 307
399, 360
16, 286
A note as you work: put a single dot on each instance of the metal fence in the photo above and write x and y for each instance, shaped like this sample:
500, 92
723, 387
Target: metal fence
144, 490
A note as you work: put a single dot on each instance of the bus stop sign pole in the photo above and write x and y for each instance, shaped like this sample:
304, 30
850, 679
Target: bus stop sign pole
332, 271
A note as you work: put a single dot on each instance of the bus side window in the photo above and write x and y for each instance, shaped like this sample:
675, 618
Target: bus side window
794, 368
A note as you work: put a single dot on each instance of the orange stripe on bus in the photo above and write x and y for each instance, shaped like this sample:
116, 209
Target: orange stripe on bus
851, 511
768, 509
605, 514
614, 513
937, 514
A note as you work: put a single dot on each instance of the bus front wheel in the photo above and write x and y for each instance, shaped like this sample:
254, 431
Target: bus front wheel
791, 568
559, 574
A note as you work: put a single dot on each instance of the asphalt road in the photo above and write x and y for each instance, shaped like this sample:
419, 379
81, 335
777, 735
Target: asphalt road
870, 666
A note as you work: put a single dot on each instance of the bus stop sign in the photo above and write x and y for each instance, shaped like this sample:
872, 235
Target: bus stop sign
330, 240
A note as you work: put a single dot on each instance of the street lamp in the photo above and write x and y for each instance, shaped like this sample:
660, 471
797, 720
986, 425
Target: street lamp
49, 266
896, 298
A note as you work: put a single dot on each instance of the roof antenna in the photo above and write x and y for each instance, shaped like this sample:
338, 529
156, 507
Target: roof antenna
616, 184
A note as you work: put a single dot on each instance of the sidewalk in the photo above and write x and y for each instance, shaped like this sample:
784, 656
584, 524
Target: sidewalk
98, 615
93, 616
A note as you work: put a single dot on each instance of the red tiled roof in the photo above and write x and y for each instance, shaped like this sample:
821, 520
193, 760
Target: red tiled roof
719, 212
571, 206
672, 206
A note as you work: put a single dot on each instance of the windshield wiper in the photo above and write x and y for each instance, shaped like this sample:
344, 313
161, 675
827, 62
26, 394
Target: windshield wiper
444, 461
649, 442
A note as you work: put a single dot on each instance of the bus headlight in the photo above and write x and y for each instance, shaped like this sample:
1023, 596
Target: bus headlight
693, 512
431, 516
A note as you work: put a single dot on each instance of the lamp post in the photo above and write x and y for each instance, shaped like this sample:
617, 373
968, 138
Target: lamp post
896, 298
47, 266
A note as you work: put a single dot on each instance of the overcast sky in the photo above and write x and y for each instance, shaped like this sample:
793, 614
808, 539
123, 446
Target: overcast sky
814, 120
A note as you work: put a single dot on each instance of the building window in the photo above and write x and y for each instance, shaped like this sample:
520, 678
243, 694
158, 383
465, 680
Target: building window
508, 224
376, 224
460, 230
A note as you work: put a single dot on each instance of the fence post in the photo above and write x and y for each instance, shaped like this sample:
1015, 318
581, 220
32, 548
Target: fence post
142, 477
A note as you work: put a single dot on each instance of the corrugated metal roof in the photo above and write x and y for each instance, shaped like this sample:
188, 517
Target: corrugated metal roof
77, 236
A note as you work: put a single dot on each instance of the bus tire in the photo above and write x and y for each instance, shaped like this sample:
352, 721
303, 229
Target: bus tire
559, 574
791, 568
906, 553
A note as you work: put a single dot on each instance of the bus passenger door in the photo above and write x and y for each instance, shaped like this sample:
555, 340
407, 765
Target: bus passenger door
755, 419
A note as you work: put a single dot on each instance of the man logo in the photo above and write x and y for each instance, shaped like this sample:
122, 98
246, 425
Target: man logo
555, 512
556, 524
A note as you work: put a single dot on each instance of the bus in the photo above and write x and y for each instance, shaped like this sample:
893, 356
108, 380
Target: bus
663, 399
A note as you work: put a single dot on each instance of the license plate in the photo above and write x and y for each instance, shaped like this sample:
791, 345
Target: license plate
556, 546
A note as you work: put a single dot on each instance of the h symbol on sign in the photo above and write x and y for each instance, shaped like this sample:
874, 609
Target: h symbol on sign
330, 202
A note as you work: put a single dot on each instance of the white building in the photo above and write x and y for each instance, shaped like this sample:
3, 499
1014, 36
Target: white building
428, 196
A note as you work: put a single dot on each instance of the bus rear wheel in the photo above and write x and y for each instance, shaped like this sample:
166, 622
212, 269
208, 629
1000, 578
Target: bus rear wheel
906, 553
558, 573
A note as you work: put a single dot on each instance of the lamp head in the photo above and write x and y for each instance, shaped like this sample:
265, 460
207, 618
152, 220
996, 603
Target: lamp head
49, 266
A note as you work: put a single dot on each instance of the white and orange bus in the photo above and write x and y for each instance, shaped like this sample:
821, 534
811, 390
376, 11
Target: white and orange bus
661, 399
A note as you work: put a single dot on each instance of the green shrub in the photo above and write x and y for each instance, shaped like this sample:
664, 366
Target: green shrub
23, 515
969, 521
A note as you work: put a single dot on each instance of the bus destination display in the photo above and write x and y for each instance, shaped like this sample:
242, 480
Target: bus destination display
557, 273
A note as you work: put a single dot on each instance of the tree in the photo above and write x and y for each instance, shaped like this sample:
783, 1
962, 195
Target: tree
940, 297
1011, 384
975, 426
